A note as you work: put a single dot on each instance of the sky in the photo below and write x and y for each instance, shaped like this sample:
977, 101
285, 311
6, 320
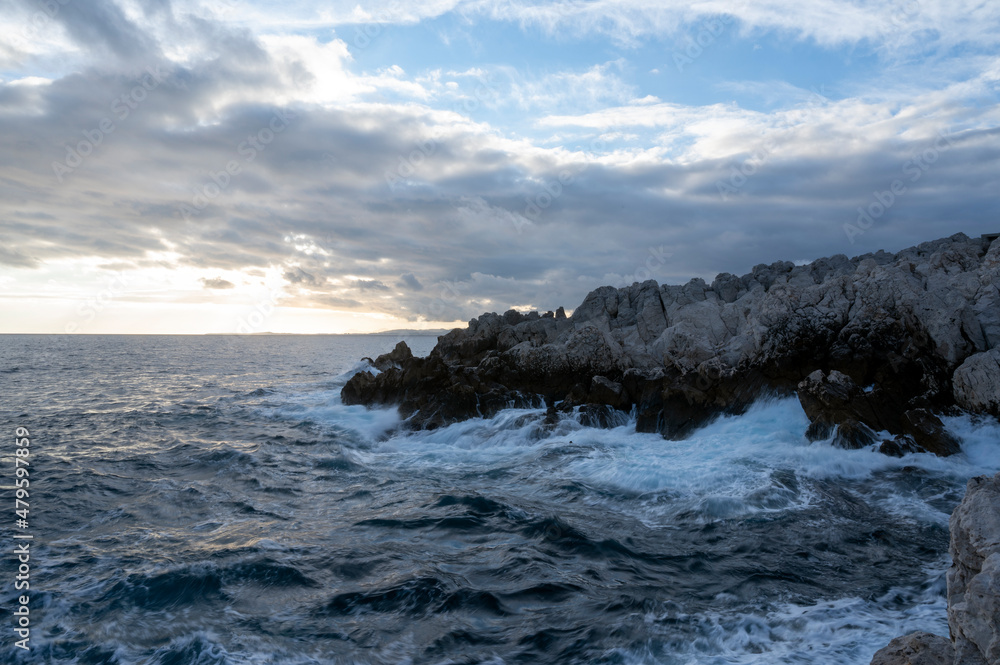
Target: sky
244, 166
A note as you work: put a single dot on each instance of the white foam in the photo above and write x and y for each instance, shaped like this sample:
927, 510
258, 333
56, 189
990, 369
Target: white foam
325, 408
845, 631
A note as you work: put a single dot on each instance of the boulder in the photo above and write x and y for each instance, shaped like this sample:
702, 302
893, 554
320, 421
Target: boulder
606, 391
836, 405
395, 358
829, 399
977, 383
916, 649
854, 435
974, 577
927, 431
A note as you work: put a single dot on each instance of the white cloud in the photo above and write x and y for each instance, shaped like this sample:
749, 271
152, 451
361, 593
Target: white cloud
314, 217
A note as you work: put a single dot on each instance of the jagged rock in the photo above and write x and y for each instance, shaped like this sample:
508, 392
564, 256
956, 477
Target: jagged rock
854, 435
899, 446
834, 400
601, 415
916, 649
927, 431
836, 405
606, 391
829, 399
395, 358
900, 324
974, 577
977, 383
360, 389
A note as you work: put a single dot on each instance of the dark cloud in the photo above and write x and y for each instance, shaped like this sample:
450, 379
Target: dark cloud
16, 259
102, 25
300, 276
217, 283
409, 281
369, 285
332, 203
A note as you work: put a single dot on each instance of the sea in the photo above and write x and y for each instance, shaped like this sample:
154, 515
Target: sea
208, 500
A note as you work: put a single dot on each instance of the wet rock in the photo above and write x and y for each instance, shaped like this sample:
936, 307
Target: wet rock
834, 400
606, 391
927, 431
917, 329
601, 415
395, 358
854, 435
829, 399
916, 649
899, 446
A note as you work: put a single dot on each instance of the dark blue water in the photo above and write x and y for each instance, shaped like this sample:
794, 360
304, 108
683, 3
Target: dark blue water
209, 500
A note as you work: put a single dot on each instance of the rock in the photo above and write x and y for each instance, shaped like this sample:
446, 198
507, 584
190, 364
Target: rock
395, 358
916, 649
605, 391
977, 383
360, 389
974, 577
899, 446
917, 329
834, 400
927, 431
854, 435
601, 415
819, 431
828, 399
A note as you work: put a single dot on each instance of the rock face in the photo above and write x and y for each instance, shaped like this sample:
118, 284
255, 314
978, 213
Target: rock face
899, 325
977, 383
973, 589
974, 578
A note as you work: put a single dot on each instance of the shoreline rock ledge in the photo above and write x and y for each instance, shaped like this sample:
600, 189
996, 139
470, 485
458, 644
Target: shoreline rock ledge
874, 346
973, 589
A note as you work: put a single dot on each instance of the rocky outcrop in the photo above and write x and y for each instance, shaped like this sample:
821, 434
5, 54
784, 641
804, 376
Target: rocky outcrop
836, 406
973, 589
974, 577
899, 325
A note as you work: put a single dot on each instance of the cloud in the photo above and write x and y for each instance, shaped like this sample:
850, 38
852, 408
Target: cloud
217, 283
556, 180
409, 281
369, 285
300, 276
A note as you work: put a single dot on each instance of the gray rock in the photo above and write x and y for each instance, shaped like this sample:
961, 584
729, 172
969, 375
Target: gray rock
899, 324
916, 649
977, 383
974, 577
606, 391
